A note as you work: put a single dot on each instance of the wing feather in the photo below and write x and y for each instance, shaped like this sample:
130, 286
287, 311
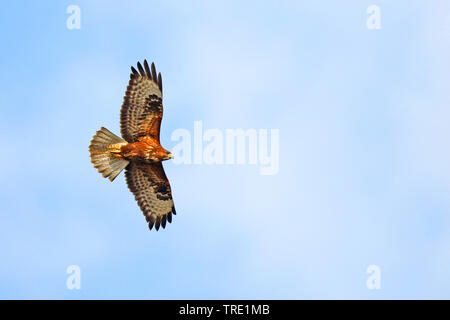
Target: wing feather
147, 70
154, 77
142, 108
160, 81
151, 189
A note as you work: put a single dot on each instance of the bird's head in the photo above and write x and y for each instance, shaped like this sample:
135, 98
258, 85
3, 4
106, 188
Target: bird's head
167, 155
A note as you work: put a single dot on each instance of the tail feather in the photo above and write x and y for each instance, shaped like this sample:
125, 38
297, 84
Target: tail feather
102, 148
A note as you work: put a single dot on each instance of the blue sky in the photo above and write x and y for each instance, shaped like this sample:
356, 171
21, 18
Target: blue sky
364, 175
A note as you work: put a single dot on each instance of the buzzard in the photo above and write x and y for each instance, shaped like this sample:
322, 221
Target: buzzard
139, 152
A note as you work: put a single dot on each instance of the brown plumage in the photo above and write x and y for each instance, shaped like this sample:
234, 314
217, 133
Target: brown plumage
140, 151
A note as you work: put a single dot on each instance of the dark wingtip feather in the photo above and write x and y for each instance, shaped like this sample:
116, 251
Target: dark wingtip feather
163, 222
134, 71
147, 69
160, 81
154, 76
173, 210
141, 70
150, 225
169, 217
157, 224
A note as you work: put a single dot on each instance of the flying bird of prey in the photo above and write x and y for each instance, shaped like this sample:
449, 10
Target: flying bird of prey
139, 152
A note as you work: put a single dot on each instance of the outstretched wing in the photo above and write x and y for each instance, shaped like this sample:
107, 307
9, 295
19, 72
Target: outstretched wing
142, 108
151, 189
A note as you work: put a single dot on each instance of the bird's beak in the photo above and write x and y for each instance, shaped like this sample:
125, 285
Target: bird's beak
169, 156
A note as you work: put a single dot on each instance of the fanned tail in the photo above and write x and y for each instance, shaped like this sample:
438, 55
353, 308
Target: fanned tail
104, 148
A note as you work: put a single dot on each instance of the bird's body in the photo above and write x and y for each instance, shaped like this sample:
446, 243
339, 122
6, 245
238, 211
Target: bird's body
146, 150
139, 152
